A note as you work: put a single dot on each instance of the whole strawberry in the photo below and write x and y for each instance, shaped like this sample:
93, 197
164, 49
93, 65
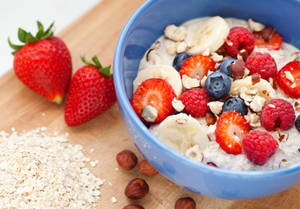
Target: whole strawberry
91, 92
43, 63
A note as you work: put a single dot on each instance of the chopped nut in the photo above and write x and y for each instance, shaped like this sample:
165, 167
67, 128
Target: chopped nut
210, 119
202, 82
153, 57
189, 82
284, 163
238, 69
282, 136
206, 52
177, 105
222, 51
211, 132
243, 55
216, 57
149, 113
175, 33
255, 26
253, 119
215, 107
257, 103
247, 72
181, 47
185, 203
171, 48
267, 33
137, 189
146, 168
294, 56
255, 78
126, 159
297, 106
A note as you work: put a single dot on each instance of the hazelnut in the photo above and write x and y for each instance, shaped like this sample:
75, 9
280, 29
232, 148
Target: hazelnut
127, 159
146, 168
137, 189
255, 78
185, 203
133, 206
238, 69
210, 119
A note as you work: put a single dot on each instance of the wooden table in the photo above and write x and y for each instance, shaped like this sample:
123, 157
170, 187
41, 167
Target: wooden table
96, 33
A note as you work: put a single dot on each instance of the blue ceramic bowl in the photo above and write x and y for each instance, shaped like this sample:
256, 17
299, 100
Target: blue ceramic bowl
142, 29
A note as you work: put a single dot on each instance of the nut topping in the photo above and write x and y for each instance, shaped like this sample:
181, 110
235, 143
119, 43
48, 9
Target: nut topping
255, 78
210, 119
185, 203
238, 69
146, 168
126, 159
137, 189
133, 206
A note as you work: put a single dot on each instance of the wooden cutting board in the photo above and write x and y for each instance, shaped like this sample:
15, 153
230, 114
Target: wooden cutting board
96, 33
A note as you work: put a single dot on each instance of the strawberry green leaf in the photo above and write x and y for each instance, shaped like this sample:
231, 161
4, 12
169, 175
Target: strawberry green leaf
40, 32
49, 28
104, 70
22, 35
86, 62
14, 46
97, 62
30, 38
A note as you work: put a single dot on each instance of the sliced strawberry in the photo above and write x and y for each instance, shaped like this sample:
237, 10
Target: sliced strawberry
231, 129
156, 93
268, 38
197, 66
288, 79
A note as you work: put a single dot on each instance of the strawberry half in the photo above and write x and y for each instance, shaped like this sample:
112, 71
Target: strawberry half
268, 38
197, 66
43, 63
91, 92
231, 129
156, 93
288, 79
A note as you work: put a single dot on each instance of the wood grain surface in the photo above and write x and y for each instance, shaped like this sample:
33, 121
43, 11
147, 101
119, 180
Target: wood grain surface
96, 33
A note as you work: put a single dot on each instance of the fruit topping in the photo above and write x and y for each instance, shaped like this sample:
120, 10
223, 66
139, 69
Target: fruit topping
217, 85
91, 92
259, 146
278, 113
195, 102
263, 64
156, 93
288, 79
235, 104
197, 66
180, 59
268, 38
230, 130
238, 40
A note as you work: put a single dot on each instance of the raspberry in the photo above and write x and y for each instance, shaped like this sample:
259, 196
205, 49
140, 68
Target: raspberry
259, 146
263, 64
278, 113
195, 101
239, 38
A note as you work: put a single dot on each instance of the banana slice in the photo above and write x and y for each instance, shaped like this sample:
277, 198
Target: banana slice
210, 36
180, 132
165, 72
245, 88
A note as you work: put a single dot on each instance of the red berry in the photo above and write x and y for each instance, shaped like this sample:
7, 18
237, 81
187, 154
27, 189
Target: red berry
259, 146
231, 129
263, 64
43, 63
239, 38
156, 93
285, 82
268, 38
195, 102
197, 66
277, 113
211, 164
90, 93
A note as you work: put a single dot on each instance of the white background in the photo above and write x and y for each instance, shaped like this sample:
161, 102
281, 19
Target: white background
24, 13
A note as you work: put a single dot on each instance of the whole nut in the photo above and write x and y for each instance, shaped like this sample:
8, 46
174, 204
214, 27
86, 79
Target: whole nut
146, 168
137, 189
133, 206
185, 203
126, 159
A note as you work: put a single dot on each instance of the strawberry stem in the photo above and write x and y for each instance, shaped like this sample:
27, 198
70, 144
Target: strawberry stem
96, 63
27, 37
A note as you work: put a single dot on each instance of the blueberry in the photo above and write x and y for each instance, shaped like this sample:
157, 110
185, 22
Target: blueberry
217, 85
180, 58
235, 104
225, 66
297, 123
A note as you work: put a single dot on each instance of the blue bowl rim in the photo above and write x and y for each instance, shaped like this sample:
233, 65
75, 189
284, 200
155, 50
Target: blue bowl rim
124, 102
